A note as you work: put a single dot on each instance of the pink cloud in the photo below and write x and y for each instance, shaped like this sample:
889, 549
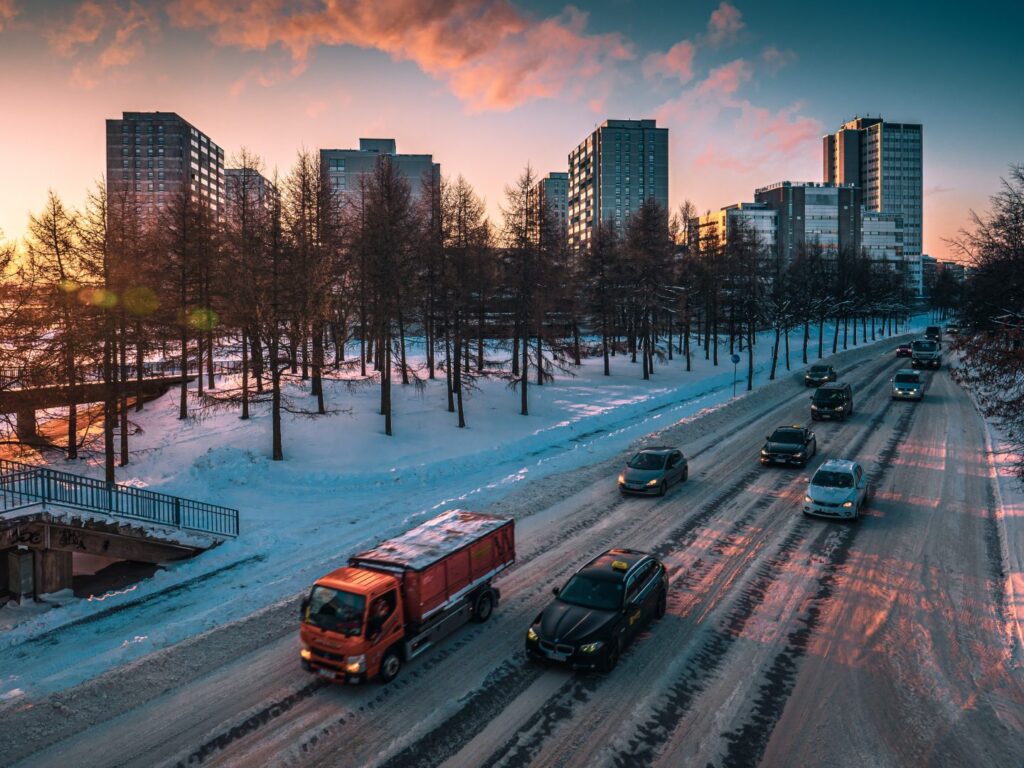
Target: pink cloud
490, 54
7, 12
725, 24
775, 59
85, 28
121, 31
676, 62
725, 79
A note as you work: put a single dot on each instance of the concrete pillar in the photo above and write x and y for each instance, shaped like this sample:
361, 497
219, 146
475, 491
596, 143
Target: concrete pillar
53, 571
18, 563
25, 425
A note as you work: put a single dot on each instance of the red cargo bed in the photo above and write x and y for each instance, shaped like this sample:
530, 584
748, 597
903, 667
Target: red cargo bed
444, 559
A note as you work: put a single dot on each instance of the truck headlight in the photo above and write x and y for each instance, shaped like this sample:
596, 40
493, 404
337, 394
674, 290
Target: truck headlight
591, 647
531, 635
306, 654
356, 664
652, 483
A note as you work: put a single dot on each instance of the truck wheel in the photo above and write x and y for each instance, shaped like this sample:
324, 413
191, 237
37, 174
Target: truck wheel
484, 606
390, 666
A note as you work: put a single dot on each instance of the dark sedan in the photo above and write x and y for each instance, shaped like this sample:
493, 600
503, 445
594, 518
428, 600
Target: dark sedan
599, 611
904, 350
818, 374
789, 445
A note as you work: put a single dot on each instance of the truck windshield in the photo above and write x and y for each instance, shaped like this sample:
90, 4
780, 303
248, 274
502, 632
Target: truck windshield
336, 611
925, 346
598, 594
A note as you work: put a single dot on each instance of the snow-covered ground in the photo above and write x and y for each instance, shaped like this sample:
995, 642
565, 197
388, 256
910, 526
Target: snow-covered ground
345, 485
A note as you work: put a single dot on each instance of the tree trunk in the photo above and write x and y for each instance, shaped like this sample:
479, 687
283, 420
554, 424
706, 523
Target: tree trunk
245, 375
124, 394
525, 380
386, 383
775, 353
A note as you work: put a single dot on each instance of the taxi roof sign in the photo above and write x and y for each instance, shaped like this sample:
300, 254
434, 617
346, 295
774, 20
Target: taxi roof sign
620, 565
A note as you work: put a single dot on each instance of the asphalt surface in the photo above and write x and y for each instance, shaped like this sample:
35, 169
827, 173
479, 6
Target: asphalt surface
788, 641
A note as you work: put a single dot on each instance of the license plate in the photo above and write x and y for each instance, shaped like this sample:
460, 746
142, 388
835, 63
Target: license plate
329, 674
554, 656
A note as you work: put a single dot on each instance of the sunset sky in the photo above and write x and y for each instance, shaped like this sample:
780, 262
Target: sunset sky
746, 89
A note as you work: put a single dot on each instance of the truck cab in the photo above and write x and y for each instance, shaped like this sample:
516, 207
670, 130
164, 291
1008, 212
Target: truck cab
350, 618
926, 353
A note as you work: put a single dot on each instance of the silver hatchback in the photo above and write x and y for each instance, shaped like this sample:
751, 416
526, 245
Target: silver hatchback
650, 471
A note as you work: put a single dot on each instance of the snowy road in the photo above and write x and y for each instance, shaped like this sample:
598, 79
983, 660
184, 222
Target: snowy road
787, 642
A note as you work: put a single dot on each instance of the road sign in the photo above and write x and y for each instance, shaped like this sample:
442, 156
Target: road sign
735, 359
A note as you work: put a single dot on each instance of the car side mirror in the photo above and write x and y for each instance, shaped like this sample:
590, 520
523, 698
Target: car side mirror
304, 608
555, 591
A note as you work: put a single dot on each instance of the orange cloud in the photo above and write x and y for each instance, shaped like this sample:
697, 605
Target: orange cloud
676, 62
725, 79
725, 24
85, 28
491, 55
7, 12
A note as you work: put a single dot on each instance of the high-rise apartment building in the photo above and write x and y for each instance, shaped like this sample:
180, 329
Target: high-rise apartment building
155, 156
344, 167
759, 218
881, 238
808, 213
260, 190
885, 160
612, 172
552, 193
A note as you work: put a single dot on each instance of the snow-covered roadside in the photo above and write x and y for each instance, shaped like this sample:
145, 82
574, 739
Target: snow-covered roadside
1009, 498
344, 488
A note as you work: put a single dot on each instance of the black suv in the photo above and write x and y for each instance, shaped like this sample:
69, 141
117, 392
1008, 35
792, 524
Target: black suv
818, 374
789, 445
601, 608
832, 401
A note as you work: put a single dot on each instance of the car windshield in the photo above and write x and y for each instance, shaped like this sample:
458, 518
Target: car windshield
336, 610
787, 436
907, 378
829, 479
588, 592
926, 345
828, 395
819, 369
647, 461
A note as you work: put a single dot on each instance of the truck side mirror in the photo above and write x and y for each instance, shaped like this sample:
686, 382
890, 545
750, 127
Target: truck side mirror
304, 608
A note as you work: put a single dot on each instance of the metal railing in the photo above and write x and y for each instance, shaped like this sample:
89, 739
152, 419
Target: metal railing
22, 484
27, 378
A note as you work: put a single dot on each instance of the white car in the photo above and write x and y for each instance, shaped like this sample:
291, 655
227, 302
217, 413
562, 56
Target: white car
838, 489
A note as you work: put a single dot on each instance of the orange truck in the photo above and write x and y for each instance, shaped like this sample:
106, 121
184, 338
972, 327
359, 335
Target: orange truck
393, 602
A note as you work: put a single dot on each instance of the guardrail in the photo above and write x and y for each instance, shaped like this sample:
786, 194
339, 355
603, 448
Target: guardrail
22, 484
25, 378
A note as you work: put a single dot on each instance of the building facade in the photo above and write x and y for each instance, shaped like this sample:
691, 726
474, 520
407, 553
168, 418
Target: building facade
885, 160
154, 156
344, 167
551, 193
262, 192
759, 218
612, 172
809, 213
882, 238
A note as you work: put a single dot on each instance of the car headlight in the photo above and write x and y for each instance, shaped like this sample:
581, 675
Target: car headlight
764, 452
807, 498
847, 504
798, 455
591, 647
622, 478
356, 664
531, 635
652, 483
306, 654
840, 408
814, 407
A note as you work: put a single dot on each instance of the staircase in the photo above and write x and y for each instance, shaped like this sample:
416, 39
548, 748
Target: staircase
25, 485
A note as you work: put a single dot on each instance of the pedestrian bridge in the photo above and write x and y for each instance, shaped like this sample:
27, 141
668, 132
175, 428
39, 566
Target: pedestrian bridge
48, 516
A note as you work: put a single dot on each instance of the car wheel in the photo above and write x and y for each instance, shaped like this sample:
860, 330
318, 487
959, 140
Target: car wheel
390, 666
611, 659
664, 487
662, 606
484, 607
